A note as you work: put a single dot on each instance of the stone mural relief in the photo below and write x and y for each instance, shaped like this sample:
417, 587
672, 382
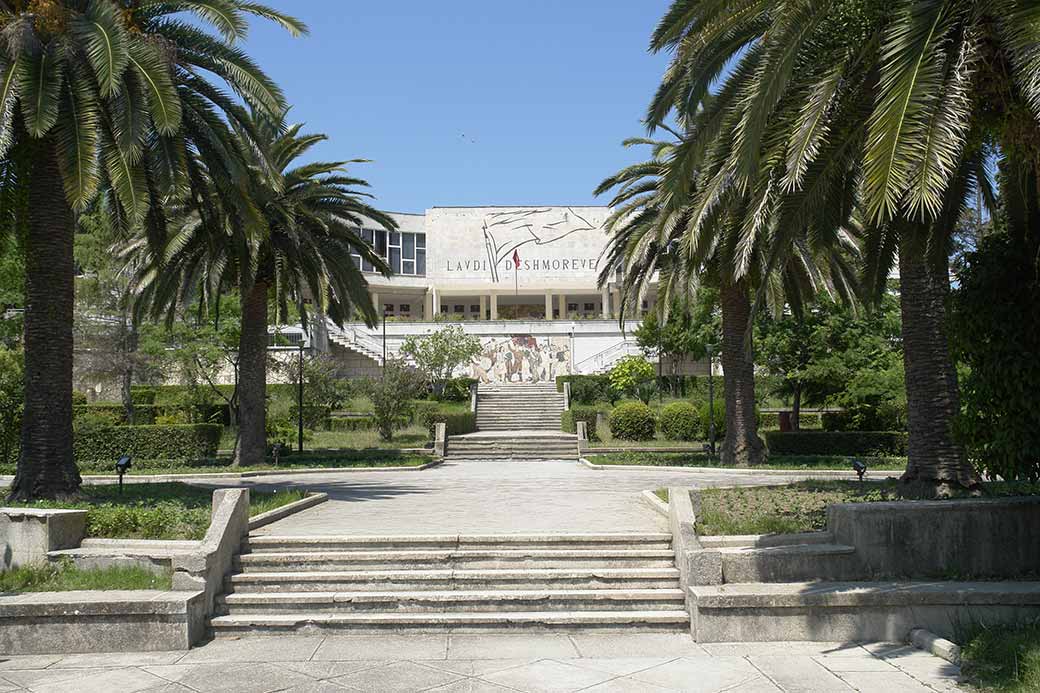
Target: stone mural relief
523, 359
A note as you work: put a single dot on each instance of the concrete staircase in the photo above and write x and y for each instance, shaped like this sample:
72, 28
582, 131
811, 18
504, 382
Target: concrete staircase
786, 558
454, 583
513, 445
521, 407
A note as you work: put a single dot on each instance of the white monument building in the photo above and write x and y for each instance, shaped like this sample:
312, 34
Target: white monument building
523, 279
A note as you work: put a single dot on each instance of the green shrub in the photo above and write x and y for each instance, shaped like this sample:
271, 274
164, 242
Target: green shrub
629, 372
581, 413
360, 423
866, 443
99, 448
456, 422
632, 421
315, 417
883, 417
680, 421
456, 389
143, 394
588, 389
720, 420
79, 397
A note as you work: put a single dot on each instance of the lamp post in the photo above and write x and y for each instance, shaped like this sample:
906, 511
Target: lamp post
711, 399
299, 404
384, 338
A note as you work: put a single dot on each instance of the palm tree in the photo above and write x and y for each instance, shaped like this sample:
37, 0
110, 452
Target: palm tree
905, 101
101, 95
298, 247
647, 238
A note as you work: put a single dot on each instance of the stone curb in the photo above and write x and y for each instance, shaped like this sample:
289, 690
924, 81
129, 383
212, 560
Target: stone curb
270, 516
162, 478
940, 647
656, 504
822, 473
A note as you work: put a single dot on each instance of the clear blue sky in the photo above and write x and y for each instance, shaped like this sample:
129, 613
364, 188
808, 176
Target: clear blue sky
470, 102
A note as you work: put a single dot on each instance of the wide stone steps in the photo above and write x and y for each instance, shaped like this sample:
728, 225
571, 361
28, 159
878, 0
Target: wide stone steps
520, 408
438, 601
508, 558
446, 579
453, 582
311, 622
503, 444
610, 540
792, 563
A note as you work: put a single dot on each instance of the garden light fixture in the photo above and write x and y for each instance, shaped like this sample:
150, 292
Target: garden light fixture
122, 467
859, 467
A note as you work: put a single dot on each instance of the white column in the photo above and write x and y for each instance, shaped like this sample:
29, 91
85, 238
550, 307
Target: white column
605, 297
548, 305
561, 300
616, 298
494, 306
375, 302
483, 307
428, 305
436, 302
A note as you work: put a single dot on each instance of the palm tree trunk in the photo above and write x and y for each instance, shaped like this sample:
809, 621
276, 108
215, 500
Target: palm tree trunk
252, 377
932, 394
796, 408
47, 466
742, 446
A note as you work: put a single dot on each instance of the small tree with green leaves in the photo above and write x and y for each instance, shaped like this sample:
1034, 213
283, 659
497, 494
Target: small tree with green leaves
439, 353
631, 375
392, 395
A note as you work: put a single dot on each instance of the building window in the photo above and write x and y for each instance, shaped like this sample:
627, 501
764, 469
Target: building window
590, 306
444, 308
388, 309
572, 307
460, 309
474, 308
405, 308
404, 252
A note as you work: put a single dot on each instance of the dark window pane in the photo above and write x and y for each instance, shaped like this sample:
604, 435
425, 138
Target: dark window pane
356, 259
475, 308
572, 306
590, 306
409, 246
420, 240
395, 260
381, 243
460, 309
420, 262
395, 238
408, 267
366, 266
367, 235
405, 308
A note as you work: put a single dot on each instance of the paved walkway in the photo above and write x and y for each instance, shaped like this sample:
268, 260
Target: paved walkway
490, 497
488, 663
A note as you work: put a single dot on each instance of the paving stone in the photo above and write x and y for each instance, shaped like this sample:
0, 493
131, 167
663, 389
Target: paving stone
6, 686
27, 661
511, 646
390, 646
626, 685
886, 682
399, 677
118, 659
636, 645
866, 662
317, 687
251, 677
264, 649
759, 685
329, 670
172, 672
799, 674
170, 687
750, 649
31, 678
619, 666
548, 676
476, 667
129, 680
471, 686
700, 674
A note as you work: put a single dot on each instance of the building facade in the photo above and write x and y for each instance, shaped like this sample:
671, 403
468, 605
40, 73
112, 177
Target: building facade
522, 279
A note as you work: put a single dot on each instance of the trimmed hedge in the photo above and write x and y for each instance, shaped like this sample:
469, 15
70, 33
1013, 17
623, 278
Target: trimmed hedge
456, 422
99, 448
633, 421
680, 421
569, 419
366, 422
457, 389
867, 443
772, 420
587, 389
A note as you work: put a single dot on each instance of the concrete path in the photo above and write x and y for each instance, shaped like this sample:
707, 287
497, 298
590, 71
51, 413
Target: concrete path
488, 497
489, 663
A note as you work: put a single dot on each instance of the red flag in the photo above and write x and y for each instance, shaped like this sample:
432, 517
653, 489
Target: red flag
516, 259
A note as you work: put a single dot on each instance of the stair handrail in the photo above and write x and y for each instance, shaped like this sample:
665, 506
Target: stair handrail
601, 358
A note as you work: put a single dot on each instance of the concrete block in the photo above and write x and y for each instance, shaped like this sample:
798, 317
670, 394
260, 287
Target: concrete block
704, 567
28, 534
440, 440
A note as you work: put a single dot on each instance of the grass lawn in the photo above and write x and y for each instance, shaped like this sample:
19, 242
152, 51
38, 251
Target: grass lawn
157, 511
413, 436
1003, 659
699, 459
65, 577
802, 506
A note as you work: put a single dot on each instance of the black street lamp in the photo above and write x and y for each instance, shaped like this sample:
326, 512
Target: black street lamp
299, 403
384, 338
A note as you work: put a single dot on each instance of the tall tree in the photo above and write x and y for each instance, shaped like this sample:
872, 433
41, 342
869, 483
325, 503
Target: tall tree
101, 95
902, 102
297, 248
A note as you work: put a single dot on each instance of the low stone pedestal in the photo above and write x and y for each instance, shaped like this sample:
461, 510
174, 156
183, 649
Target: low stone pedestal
28, 534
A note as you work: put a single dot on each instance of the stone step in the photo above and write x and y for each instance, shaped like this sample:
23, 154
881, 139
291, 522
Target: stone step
454, 600
795, 563
445, 579
465, 559
617, 540
854, 611
311, 622
764, 540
